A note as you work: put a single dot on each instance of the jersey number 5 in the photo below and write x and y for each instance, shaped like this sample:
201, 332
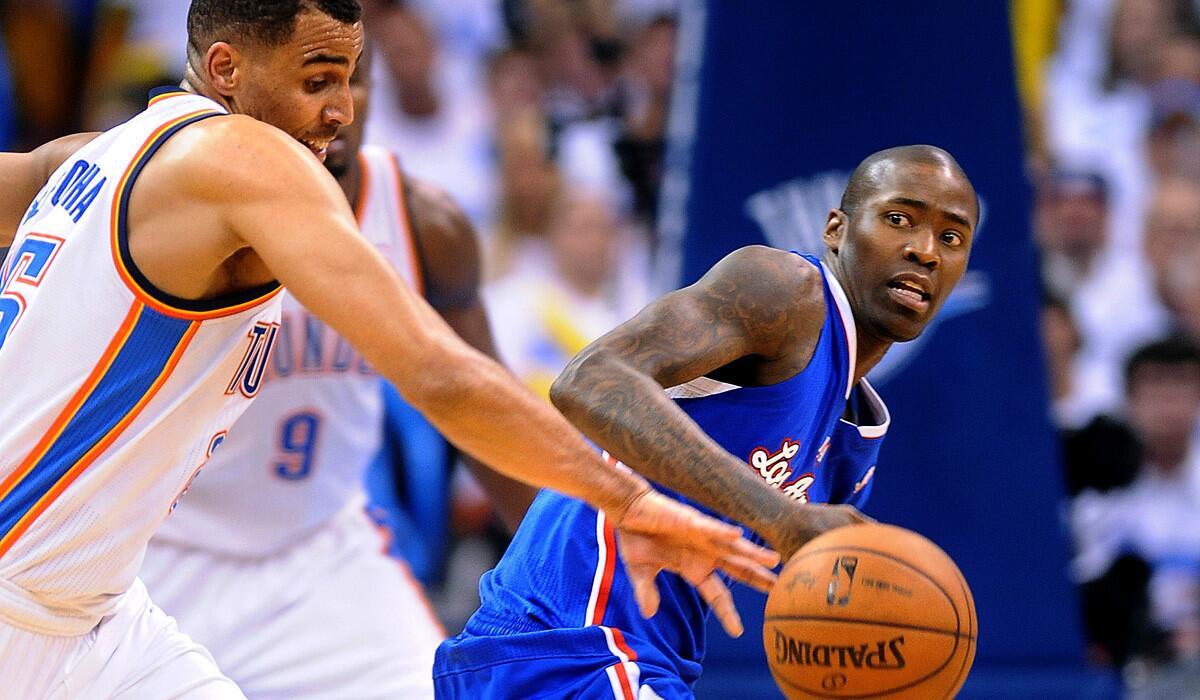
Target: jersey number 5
25, 269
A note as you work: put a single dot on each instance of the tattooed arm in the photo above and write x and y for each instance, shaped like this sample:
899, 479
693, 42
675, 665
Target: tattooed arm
449, 256
753, 319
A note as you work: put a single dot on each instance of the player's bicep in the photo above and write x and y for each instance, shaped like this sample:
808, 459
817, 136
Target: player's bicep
336, 274
677, 338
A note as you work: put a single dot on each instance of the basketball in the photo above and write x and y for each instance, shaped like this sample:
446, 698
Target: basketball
870, 611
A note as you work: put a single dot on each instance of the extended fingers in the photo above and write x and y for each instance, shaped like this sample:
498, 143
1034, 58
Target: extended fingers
645, 590
744, 548
749, 572
716, 594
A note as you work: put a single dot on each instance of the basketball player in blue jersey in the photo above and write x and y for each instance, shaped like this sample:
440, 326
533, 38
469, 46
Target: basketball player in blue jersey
322, 611
138, 307
743, 394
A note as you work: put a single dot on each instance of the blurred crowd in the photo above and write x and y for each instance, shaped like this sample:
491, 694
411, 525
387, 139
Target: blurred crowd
1115, 163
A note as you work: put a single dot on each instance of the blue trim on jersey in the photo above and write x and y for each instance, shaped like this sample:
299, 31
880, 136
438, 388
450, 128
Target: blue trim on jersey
140, 361
164, 90
197, 305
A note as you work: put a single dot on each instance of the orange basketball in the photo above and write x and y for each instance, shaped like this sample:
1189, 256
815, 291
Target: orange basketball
870, 611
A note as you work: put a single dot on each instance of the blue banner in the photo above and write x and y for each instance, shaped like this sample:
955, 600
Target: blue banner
775, 103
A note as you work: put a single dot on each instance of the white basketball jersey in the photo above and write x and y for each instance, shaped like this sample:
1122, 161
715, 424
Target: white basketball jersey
114, 393
299, 454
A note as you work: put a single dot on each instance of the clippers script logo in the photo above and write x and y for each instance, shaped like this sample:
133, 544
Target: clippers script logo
776, 469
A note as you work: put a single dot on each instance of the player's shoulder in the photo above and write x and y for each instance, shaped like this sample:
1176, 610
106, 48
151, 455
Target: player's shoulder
448, 245
222, 156
436, 214
771, 273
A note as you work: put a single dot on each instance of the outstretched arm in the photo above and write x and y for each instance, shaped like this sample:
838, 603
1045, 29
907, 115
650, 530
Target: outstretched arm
449, 256
23, 174
758, 303
274, 199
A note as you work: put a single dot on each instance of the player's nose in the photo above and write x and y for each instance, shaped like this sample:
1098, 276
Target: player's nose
340, 108
922, 249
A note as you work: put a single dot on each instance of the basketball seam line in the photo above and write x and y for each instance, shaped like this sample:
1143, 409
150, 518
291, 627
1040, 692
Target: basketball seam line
881, 623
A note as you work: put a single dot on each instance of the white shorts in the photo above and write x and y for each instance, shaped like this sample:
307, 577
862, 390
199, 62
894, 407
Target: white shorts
136, 653
332, 617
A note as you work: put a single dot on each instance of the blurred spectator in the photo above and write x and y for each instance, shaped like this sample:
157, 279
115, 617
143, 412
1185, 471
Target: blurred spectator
467, 32
1070, 227
145, 48
1157, 517
1098, 105
1173, 249
587, 283
529, 185
436, 121
1061, 341
49, 44
1107, 289
514, 86
643, 144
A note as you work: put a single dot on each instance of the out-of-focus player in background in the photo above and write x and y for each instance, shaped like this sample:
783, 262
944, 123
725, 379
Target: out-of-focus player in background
139, 305
270, 561
766, 410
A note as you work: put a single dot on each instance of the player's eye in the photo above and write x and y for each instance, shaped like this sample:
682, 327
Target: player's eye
952, 238
315, 84
896, 218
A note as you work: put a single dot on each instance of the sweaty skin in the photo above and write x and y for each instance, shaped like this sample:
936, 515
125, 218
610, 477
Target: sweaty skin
256, 205
754, 320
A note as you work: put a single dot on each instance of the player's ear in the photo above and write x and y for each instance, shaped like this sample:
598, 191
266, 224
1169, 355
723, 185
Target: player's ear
221, 65
835, 229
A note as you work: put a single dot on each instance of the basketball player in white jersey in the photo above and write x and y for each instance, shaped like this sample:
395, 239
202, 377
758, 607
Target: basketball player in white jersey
270, 561
138, 308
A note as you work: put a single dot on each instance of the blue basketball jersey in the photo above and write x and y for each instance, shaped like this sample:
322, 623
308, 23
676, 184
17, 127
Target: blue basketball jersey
561, 570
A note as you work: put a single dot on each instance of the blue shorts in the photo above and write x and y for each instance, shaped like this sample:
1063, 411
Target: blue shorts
581, 662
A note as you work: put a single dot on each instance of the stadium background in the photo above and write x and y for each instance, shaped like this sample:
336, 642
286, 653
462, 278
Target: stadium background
607, 150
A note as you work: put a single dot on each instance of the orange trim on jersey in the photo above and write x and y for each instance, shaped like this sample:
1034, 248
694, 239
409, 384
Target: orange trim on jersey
75, 402
364, 184
124, 273
168, 95
414, 259
100, 447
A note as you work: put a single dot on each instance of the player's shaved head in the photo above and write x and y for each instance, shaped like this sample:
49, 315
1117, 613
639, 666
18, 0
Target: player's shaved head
269, 21
869, 175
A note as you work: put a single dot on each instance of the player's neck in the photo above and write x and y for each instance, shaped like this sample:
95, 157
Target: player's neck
870, 351
193, 84
870, 348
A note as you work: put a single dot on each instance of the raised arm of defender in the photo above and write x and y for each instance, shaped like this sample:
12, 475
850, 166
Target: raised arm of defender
753, 320
279, 213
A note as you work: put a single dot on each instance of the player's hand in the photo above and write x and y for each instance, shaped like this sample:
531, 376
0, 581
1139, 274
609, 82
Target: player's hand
657, 533
810, 520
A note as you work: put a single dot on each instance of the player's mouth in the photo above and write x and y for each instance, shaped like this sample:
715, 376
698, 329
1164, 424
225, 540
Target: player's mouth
911, 291
319, 148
